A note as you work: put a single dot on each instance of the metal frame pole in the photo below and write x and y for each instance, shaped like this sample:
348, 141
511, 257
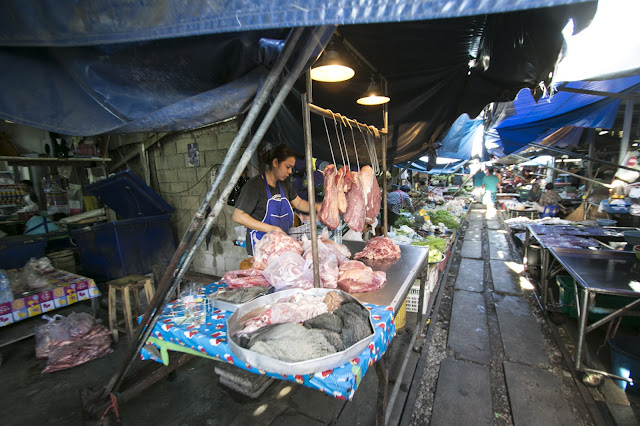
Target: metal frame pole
308, 151
153, 311
626, 130
385, 120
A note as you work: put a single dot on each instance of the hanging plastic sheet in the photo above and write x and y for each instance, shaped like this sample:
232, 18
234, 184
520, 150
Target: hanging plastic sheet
525, 121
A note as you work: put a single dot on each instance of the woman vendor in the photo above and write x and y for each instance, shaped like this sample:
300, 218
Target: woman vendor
266, 201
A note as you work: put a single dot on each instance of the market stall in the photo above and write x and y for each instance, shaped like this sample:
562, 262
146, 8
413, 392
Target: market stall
64, 289
594, 273
210, 338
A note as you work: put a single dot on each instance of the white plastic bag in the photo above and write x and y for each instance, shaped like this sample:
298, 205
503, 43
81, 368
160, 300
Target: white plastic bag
288, 270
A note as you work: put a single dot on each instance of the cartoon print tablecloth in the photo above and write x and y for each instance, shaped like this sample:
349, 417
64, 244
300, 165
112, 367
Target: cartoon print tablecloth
210, 340
70, 288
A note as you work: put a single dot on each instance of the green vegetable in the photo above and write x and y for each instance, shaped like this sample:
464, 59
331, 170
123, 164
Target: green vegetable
443, 216
403, 220
434, 243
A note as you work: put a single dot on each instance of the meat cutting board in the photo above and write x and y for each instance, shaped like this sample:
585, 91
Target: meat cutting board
247, 263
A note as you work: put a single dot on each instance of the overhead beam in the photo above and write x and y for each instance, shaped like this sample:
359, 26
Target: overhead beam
600, 93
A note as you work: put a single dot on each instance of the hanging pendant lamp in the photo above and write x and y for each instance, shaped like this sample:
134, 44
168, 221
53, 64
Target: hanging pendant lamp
331, 69
374, 95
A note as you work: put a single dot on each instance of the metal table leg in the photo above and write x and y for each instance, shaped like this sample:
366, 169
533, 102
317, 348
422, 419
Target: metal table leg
544, 272
583, 315
382, 370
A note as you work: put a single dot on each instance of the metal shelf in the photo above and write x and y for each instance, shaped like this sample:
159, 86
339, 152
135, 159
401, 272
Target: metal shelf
43, 161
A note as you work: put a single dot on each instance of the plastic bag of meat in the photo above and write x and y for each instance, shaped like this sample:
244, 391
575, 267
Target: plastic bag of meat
244, 278
273, 244
379, 248
80, 323
92, 345
287, 271
51, 335
340, 250
328, 262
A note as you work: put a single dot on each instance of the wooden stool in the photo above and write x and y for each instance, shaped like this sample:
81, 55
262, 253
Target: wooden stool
125, 285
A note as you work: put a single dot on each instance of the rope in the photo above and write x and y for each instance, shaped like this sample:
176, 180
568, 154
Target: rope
329, 139
114, 406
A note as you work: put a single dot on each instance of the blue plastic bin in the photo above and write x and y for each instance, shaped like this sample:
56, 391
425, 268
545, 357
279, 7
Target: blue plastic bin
130, 246
625, 361
617, 208
16, 250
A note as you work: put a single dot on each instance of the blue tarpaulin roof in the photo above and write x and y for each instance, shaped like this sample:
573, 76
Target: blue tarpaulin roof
461, 137
525, 121
116, 66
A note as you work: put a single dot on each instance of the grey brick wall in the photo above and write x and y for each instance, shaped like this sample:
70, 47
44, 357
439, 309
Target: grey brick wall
184, 187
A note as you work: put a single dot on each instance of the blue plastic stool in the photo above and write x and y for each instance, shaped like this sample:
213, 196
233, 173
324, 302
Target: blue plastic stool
550, 211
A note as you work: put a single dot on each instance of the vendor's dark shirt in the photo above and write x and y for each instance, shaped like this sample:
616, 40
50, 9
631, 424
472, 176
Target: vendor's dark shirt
253, 199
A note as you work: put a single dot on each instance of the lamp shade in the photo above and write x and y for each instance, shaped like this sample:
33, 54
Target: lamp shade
330, 68
373, 96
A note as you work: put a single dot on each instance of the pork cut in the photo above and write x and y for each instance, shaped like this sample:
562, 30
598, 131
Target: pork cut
372, 194
360, 280
244, 278
355, 214
379, 248
272, 244
329, 213
342, 188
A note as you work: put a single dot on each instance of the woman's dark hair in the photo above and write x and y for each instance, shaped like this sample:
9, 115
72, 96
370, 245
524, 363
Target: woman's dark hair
549, 187
280, 153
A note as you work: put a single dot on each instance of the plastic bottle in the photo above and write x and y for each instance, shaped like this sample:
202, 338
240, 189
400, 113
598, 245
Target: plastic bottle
6, 295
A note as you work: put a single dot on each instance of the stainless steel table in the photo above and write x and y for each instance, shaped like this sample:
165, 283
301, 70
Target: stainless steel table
599, 272
401, 273
538, 232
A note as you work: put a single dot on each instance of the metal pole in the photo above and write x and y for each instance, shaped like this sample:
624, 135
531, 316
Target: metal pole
330, 114
306, 118
589, 157
385, 120
164, 290
591, 137
626, 131
569, 173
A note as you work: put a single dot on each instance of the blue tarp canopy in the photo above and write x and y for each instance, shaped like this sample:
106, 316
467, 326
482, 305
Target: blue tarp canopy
560, 118
464, 134
116, 66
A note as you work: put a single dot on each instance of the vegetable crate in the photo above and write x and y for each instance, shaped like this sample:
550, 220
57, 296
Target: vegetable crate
413, 299
616, 208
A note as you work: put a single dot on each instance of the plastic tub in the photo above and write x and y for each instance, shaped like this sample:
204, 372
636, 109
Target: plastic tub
16, 250
632, 237
625, 361
606, 222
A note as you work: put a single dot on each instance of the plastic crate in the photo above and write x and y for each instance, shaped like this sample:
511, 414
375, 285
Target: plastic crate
413, 298
16, 250
299, 231
603, 303
625, 361
400, 320
616, 208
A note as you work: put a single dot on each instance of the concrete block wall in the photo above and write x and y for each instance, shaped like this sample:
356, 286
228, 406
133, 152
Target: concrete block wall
184, 187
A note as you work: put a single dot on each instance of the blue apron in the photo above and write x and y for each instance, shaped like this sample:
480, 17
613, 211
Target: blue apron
279, 213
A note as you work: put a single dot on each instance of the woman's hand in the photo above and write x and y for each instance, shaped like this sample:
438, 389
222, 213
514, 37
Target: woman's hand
277, 229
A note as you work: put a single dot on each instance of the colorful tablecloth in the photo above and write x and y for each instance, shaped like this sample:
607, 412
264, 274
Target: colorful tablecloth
70, 288
210, 340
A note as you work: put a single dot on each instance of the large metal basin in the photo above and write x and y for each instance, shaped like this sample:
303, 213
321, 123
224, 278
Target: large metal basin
263, 362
